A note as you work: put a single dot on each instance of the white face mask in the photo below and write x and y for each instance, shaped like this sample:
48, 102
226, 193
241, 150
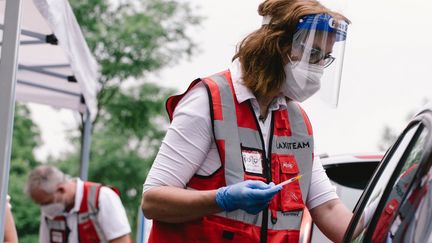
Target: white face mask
302, 80
53, 209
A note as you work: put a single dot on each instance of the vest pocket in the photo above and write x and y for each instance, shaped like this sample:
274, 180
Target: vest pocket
218, 229
283, 236
290, 197
87, 232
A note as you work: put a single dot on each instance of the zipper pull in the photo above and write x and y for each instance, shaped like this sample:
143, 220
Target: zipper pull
273, 216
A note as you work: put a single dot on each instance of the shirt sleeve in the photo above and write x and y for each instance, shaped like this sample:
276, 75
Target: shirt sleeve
186, 144
321, 190
8, 198
112, 215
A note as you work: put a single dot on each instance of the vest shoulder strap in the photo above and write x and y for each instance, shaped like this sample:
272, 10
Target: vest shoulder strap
90, 199
173, 101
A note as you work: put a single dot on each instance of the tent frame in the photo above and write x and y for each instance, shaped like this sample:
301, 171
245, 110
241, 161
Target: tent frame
8, 69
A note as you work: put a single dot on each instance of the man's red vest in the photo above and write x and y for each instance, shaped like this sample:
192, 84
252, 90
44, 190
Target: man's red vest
89, 230
244, 157
387, 219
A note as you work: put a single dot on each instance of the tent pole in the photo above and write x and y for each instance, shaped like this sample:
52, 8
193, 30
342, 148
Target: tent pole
85, 145
8, 68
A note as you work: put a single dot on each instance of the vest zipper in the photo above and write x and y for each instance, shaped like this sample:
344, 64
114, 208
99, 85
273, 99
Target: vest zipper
267, 171
268, 162
270, 143
273, 217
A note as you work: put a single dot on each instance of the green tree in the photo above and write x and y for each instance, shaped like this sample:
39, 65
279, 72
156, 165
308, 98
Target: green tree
130, 40
124, 147
389, 135
26, 137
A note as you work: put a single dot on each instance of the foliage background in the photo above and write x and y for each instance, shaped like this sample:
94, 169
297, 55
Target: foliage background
131, 40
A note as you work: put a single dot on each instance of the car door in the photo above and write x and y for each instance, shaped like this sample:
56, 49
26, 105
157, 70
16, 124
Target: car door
397, 189
350, 174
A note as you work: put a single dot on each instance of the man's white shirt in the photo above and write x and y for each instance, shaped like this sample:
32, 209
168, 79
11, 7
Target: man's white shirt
111, 217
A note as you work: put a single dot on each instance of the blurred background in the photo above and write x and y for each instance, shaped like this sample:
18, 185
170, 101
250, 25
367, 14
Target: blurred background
148, 50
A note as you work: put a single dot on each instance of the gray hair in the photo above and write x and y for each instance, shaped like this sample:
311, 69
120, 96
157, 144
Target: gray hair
46, 178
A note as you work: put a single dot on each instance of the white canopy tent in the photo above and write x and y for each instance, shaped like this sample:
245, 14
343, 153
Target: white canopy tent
55, 65
50, 65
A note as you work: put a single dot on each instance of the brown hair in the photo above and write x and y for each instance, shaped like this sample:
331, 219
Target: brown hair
262, 53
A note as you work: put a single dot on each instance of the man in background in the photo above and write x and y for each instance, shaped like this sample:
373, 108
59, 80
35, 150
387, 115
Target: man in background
76, 211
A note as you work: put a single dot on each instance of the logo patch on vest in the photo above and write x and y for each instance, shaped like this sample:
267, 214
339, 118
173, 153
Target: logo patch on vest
252, 161
288, 165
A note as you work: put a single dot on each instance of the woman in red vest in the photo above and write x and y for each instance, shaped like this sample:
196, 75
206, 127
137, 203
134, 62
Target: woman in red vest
235, 135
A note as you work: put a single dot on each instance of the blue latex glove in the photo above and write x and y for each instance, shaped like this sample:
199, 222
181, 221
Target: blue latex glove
251, 196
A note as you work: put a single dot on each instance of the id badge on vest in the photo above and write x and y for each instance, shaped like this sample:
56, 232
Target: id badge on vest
58, 236
253, 161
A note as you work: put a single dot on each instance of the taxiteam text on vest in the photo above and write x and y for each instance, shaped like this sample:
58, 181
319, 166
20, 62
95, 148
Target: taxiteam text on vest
89, 229
244, 157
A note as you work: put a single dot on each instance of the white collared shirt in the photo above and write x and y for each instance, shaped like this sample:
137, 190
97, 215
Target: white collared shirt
189, 147
111, 217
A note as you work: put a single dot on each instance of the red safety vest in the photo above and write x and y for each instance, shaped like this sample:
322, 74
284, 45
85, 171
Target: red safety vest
89, 230
243, 156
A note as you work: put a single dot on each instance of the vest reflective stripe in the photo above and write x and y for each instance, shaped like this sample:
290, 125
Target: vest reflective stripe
250, 138
286, 221
58, 224
234, 137
227, 130
92, 211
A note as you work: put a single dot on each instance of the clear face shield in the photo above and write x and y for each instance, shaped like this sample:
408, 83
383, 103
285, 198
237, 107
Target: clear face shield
316, 58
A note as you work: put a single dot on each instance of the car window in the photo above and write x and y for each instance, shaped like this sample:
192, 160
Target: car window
401, 202
352, 175
374, 193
